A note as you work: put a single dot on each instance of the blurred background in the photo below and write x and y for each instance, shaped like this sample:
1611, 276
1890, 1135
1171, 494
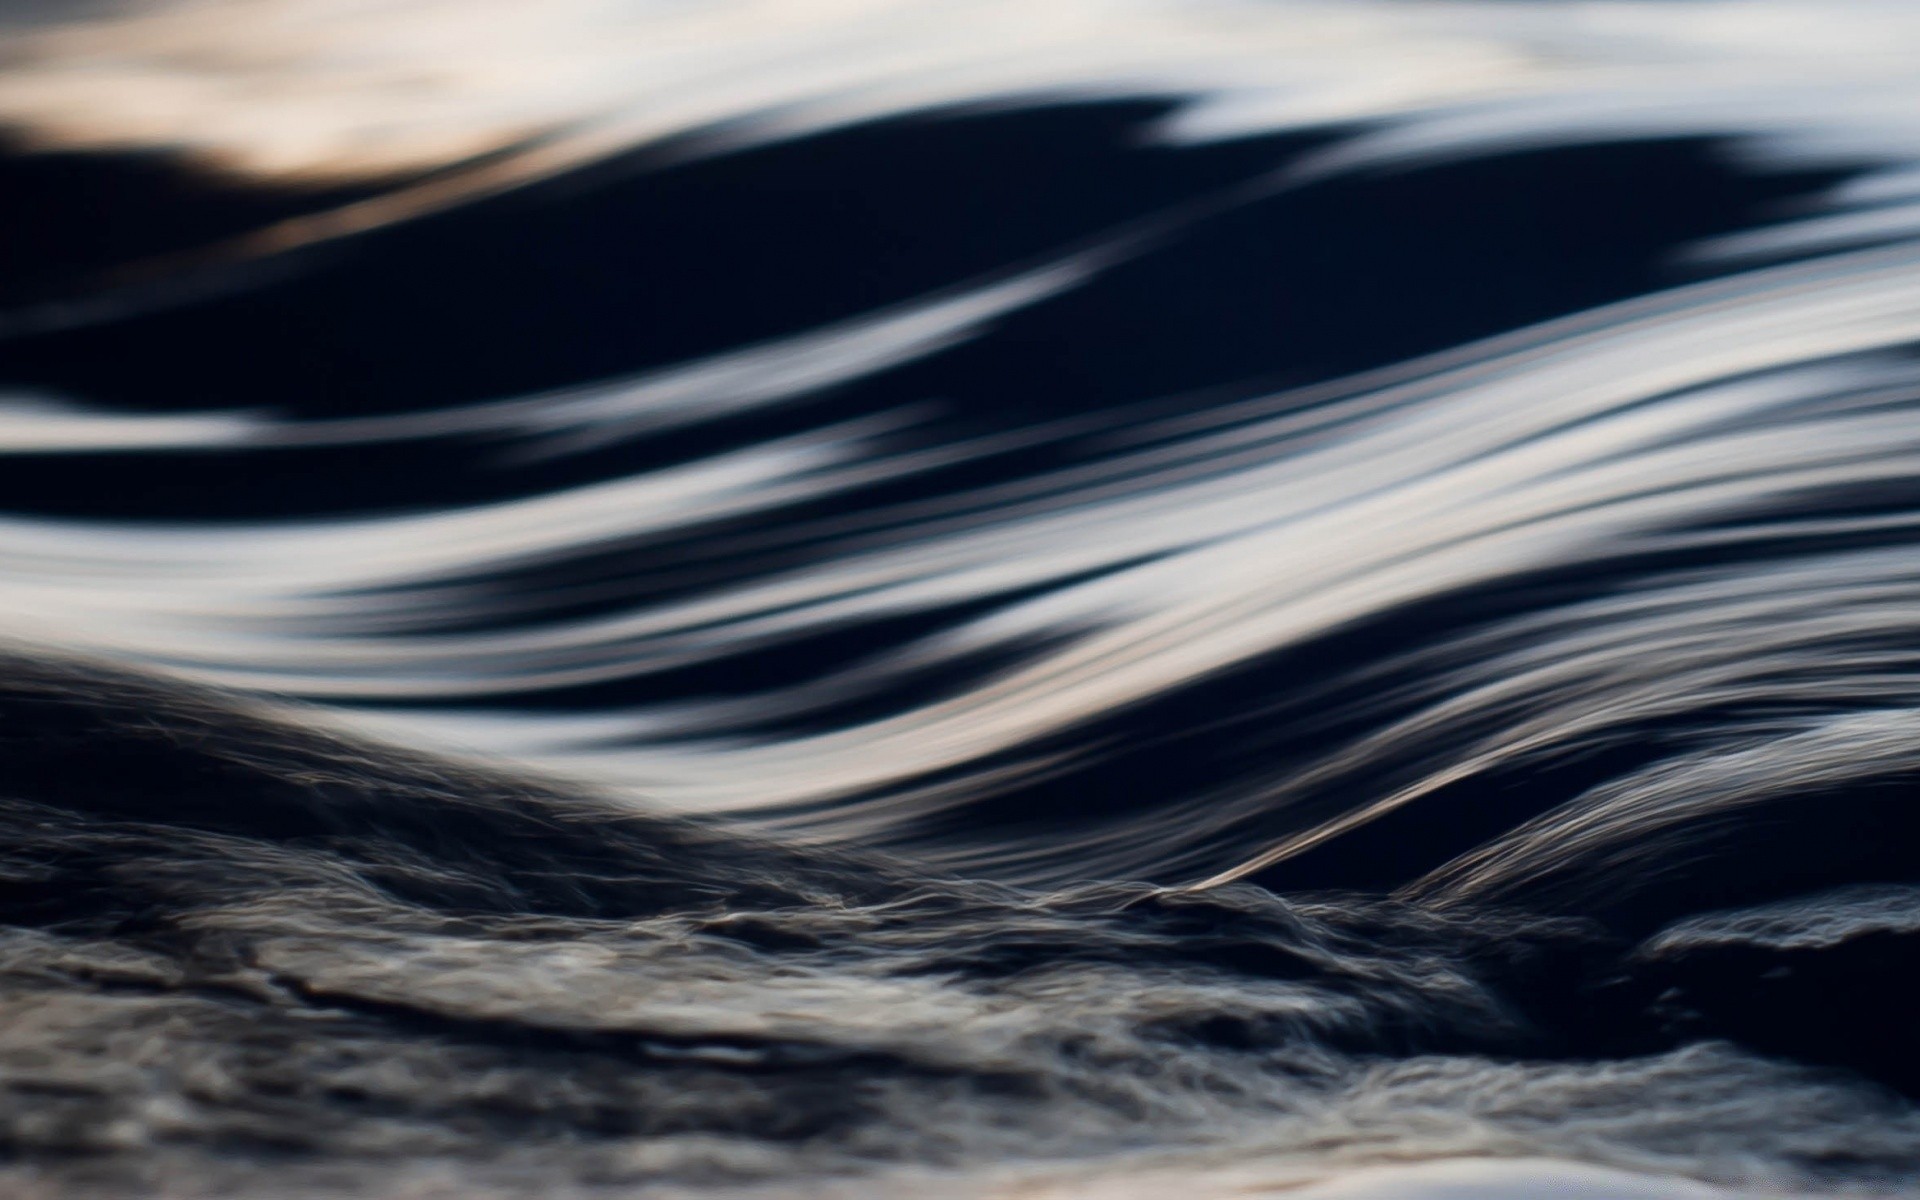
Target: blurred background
1094, 437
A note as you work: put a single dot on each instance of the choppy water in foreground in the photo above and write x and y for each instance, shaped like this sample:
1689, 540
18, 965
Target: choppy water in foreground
244, 957
1090, 600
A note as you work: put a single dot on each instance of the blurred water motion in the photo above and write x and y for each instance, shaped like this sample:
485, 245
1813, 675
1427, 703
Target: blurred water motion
1297, 586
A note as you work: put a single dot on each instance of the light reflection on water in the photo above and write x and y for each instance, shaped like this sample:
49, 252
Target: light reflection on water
1300, 508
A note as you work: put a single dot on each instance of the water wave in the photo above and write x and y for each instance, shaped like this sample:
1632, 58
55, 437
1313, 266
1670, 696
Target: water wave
1232, 592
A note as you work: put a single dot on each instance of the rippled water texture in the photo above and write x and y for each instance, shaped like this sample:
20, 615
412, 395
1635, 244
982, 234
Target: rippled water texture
1097, 598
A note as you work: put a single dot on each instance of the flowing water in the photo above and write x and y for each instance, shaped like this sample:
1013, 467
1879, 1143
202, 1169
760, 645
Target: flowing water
855, 598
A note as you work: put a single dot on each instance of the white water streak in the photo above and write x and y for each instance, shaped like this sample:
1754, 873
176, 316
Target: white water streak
1605, 430
1201, 542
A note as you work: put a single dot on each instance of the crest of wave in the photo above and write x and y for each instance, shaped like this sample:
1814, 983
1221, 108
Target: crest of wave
1736, 456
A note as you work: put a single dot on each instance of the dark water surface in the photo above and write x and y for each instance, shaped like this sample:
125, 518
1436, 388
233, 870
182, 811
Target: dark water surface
1111, 642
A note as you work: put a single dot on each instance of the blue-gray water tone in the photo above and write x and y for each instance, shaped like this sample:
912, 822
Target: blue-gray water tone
1085, 600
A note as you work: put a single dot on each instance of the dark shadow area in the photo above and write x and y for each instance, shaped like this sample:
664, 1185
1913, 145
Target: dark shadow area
637, 264
75, 221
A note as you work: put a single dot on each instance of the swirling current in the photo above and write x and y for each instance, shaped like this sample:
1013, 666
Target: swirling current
952, 598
